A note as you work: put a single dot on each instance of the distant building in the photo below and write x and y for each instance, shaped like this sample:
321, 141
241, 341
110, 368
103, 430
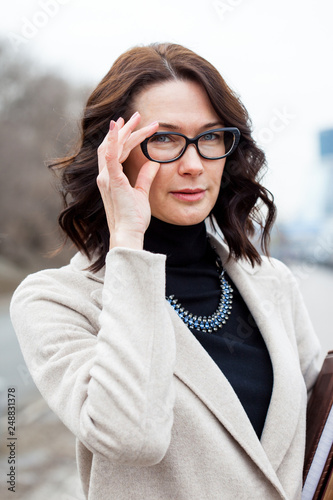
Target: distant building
326, 157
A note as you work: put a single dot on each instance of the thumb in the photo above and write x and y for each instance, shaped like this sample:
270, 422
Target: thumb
146, 176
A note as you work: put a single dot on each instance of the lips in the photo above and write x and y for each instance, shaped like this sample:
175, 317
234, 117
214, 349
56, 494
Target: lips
189, 194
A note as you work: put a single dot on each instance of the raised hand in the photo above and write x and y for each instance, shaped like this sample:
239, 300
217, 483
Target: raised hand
127, 207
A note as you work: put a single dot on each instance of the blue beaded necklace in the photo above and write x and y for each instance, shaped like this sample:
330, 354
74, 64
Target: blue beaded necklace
209, 324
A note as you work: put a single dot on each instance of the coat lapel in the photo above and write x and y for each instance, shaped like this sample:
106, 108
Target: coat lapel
262, 292
195, 368
199, 372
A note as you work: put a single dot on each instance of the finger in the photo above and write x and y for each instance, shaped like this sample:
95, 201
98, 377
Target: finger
140, 135
128, 127
101, 151
136, 138
101, 148
120, 122
146, 176
110, 152
106, 146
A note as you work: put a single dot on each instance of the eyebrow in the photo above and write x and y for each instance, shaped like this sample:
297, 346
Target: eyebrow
203, 127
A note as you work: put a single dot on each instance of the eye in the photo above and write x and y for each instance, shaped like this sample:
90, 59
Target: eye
211, 136
163, 138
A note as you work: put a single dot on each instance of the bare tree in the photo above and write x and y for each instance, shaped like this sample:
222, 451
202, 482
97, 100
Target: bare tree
38, 121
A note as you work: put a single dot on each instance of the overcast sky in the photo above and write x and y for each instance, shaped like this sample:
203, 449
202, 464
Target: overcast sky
276, 55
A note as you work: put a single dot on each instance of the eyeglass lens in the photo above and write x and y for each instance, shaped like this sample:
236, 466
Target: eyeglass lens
167, 146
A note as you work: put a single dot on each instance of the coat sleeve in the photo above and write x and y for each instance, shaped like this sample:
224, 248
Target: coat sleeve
106, 372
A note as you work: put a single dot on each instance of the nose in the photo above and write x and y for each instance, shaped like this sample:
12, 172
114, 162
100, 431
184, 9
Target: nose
191, 162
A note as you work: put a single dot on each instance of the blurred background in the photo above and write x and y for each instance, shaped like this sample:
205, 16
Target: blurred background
275, 55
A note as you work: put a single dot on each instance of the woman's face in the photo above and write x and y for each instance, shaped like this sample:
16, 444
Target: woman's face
184, 191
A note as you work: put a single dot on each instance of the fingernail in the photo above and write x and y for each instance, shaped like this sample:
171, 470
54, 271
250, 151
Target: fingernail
135, 114
112, 124
154, 123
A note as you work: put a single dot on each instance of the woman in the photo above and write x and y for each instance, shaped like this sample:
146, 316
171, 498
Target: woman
179, 361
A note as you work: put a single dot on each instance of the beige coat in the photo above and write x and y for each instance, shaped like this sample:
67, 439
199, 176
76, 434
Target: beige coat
154, 416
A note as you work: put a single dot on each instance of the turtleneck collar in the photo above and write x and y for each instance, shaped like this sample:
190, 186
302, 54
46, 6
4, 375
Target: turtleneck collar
182, 245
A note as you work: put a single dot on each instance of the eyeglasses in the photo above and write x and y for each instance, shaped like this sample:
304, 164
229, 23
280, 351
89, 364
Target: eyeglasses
165, 147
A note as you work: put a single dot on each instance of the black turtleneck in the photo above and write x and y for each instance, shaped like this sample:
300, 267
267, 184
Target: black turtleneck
238, 347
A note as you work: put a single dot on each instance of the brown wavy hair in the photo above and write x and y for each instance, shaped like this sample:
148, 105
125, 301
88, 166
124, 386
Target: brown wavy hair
237, 211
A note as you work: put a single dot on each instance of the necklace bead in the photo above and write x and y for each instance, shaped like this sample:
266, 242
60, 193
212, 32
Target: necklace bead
214, 322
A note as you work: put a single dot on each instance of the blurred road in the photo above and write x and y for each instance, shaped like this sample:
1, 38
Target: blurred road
46, 449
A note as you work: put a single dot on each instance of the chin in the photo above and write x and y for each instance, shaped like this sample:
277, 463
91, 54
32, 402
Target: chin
187, 219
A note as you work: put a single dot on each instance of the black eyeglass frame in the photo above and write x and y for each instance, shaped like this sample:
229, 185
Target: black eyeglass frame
234, 130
